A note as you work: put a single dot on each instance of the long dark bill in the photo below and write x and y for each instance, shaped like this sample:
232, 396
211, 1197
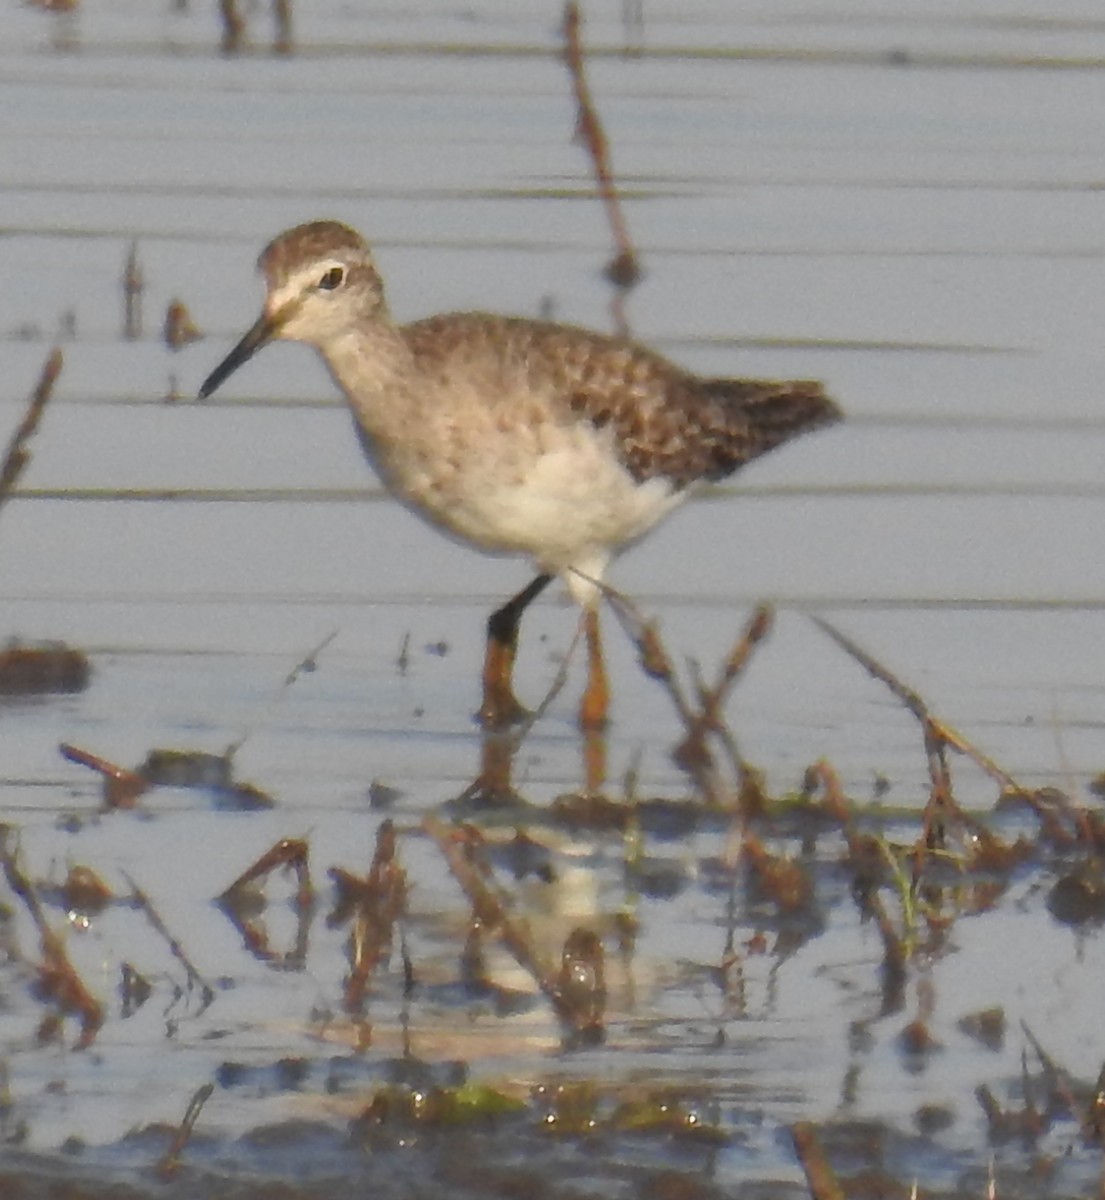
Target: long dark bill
260, 335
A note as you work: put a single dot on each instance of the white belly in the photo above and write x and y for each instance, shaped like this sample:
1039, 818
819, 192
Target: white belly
561, 499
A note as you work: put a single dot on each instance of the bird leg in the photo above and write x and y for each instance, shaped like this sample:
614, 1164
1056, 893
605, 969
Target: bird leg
500, 708
596, 698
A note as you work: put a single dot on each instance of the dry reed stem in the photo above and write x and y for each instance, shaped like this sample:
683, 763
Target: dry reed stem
305, 665
133, 285
1058, 1080
170, 1162
121, 787
490, 905
654, 658
693, 754
282, 15
492, 908
17, 455
819, 1174
58, 978
381, 901
195, 979
711, 699
623, 270
758, 627
938, 736
288, 852
836, 803
234, 26
938, 729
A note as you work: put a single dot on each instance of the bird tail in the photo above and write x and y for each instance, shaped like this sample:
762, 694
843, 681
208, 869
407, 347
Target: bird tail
776, 411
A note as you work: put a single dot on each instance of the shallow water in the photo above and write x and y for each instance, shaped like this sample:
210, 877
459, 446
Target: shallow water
901, 200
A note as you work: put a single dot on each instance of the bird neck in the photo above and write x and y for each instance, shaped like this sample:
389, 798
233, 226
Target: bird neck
374, 367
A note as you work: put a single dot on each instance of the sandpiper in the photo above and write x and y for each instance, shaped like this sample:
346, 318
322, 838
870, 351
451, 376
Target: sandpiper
517, 436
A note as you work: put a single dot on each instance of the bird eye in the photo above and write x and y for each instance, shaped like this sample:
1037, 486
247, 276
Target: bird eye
332, 279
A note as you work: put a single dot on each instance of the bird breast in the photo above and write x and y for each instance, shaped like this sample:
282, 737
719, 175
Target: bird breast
518, 478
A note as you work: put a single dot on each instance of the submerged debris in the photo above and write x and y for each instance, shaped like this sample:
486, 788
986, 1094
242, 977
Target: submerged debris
372, 906
192, 769
42, 669
244, 902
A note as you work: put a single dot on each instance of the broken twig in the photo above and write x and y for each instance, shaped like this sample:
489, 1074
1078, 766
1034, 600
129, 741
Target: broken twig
623, 270
17, 456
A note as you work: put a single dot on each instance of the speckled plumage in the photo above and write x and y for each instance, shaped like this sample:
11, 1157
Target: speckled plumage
514, 435
664, 422
517, 436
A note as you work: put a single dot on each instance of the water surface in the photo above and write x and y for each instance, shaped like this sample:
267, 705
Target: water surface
902, 201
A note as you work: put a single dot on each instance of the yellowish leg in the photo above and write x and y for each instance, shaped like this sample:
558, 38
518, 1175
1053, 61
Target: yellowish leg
496, 766
594, 761
593, 708
596, 699
500, 707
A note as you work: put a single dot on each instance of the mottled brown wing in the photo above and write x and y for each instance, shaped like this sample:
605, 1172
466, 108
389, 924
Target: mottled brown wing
665, 422
737, 420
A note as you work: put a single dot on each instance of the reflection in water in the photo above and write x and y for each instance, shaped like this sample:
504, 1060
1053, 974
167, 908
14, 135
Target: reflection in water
869, 949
